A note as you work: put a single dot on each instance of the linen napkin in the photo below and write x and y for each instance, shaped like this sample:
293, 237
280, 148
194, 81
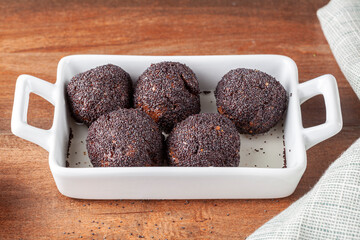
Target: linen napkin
331, 210
340, 21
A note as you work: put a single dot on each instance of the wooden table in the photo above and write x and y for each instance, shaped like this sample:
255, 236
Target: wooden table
34, 36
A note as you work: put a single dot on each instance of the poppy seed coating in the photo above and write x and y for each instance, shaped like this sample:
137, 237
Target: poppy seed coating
124, 138
253, 100
98, 91
168, 92
204, 140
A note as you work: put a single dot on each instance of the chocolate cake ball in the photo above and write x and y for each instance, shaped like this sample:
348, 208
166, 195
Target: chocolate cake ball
124, 138
204, 140
98, 91
253, 100
168, 92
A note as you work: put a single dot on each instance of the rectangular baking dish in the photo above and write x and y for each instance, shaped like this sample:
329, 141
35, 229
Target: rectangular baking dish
267, 179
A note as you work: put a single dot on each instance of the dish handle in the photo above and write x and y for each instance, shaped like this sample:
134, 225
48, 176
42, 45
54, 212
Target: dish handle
325, 85
25, 85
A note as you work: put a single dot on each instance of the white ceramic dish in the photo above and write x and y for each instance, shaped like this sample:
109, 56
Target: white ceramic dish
267, 180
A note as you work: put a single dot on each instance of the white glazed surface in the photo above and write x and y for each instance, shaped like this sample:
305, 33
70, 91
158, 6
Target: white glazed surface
174, 182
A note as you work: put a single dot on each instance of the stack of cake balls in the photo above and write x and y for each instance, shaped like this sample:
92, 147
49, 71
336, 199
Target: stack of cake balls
128, 124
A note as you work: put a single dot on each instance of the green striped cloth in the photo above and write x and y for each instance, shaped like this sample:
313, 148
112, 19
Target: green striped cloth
331, 210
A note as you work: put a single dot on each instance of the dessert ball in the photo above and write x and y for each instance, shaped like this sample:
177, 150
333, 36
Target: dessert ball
168, 92
253, 100
204, 140
124, 138
98, 91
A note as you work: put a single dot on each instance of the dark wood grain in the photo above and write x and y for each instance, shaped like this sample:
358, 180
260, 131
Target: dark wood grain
34, 35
